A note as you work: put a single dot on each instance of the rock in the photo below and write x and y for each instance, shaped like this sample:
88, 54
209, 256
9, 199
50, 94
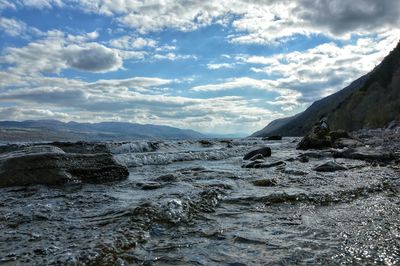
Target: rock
338, 134
294, 172
365, 153
262, 164
317, 138
167, 178
254, 164
205, 143
304, 159
265, 182
149, 185
345, 142
265, 152
273, 138
49, 165
331, 166
257, 157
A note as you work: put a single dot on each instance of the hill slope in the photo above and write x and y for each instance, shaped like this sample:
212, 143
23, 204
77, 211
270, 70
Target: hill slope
38, 130
371, 101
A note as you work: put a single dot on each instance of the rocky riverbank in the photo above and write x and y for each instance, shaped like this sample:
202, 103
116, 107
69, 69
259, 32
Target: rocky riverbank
192, 203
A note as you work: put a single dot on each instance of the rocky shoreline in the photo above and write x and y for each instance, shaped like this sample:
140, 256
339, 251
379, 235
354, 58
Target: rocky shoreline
57, 163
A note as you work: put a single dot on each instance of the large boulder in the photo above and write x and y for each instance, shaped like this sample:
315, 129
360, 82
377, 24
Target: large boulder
317, 138
365, 153
49, 165
338, 134
265, 152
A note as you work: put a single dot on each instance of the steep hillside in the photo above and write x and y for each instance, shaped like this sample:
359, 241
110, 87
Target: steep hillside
371, 101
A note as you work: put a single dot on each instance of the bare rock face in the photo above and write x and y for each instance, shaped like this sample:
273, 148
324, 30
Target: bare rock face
49, 165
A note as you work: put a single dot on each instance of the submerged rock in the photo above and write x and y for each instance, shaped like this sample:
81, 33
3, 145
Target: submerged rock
330, 166
265, 182
167, 178
262, 164
265, 152
49, 165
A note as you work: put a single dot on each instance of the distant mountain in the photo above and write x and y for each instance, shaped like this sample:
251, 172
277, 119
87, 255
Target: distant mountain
371, 101
43, 130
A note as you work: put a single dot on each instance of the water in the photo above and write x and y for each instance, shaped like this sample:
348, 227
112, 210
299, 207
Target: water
191, 203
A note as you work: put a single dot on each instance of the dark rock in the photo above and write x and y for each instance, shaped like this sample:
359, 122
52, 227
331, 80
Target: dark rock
265, 182
167, 178
317, 138
205, 143
345, 142
257, 157
294, 172
49, 165
338, 134
365, 153
265, 152
81, 147
330, 167
262, 164
277, 137
304, 159
149, 185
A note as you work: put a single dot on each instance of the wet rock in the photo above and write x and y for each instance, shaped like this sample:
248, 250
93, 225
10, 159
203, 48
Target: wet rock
265, 152
206, 143
338, 134
253, 164
317, 138
262, 164
294, 172
265, 182
149, 185
344, 142
49, 165
257, 157
81, 147
273, 138
331, 166
304, 159
167, 178
365, 153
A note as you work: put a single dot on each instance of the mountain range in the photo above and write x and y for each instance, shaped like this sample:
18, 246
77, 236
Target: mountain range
371, 101
52, 130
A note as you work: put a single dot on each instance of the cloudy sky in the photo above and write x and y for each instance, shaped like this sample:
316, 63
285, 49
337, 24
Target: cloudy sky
226, 66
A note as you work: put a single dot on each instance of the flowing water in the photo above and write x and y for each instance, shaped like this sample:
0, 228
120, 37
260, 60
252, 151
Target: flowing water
191, 203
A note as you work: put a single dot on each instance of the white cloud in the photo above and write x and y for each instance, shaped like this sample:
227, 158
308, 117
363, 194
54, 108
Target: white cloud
324, 69
128, 42
17, 28
58, 51
220, 65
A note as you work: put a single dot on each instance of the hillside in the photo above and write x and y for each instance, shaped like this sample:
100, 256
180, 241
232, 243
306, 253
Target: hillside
371, 101
50, 130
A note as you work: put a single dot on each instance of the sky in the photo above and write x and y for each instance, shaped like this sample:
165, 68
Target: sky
220, 67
